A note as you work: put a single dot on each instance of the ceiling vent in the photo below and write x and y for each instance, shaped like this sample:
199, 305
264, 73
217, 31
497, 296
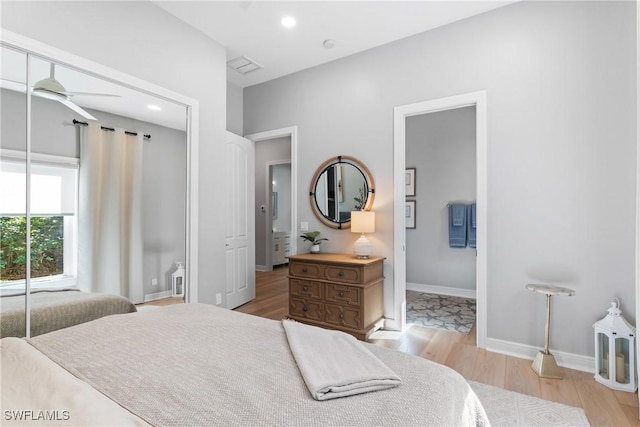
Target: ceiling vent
244, 65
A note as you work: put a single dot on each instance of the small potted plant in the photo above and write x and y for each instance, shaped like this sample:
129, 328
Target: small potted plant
314, 238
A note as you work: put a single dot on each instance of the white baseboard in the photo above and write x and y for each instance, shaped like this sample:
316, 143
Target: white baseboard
157, 295
442, 290
567, 360
261, 268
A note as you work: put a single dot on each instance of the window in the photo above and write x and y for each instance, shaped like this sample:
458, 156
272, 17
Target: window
54, 186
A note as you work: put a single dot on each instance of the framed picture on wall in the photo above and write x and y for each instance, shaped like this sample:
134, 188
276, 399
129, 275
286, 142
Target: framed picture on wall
410, 182
410, 214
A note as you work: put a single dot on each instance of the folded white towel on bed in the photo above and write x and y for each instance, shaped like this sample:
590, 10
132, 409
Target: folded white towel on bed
334, 364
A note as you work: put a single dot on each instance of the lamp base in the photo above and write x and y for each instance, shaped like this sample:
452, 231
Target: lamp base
545, 366
362, 247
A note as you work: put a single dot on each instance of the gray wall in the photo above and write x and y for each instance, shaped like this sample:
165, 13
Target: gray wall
560, 80
163, 175
442, 148
270, 150
140, 39
234, 109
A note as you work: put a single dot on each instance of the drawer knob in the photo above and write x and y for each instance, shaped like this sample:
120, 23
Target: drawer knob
305, 308
305, 270
341, 294
341, 315
305, 288
341, 274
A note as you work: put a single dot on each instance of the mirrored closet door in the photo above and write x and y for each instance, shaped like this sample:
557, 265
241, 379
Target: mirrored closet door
106, 168
14, 261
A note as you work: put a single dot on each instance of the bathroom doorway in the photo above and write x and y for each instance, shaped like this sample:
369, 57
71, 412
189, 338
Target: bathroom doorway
401, 113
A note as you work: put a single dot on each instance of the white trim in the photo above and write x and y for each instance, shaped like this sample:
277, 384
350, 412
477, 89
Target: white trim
441, 290
156, 296
291, 131
92, 68
400, 113
46, 282
8, 154
193, 188
567, 360
637, 181
262, 268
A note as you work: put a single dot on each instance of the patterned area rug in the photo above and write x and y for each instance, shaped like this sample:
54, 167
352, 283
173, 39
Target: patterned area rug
507, 408
441, 311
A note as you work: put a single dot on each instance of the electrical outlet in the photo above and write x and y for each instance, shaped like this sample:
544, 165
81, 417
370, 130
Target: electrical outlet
154, 281
304, 226
218, 298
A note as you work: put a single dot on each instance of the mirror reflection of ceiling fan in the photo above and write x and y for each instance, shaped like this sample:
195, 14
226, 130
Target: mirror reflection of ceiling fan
51, 88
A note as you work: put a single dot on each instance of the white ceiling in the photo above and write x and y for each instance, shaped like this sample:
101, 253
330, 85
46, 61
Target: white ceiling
253, 29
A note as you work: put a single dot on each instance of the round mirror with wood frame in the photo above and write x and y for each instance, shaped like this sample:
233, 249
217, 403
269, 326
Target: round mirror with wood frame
340, 185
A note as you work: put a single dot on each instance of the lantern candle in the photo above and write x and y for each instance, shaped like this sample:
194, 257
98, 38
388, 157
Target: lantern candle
620, 377
177, 280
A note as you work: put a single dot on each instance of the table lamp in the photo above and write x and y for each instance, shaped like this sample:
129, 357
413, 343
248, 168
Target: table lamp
363, 222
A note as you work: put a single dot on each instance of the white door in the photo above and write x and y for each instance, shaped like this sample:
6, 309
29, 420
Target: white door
240, 225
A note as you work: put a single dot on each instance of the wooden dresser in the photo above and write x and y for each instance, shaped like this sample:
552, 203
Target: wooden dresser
337, 291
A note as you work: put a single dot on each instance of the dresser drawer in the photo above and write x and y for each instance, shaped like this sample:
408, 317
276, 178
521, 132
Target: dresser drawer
306, 309
347, 317
306, 270
305, 288
345, 274
344, 294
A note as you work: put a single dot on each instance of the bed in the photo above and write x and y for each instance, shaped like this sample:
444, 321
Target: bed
199, 365
53, 309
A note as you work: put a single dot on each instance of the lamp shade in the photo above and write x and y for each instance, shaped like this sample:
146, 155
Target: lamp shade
363, 222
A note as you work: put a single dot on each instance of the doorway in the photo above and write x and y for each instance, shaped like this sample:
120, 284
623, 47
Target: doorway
441, 158
401, 113
278, 219
440, 258
276, 150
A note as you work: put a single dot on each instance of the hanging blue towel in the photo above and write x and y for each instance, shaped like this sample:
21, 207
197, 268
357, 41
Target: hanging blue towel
471, 225
457, 225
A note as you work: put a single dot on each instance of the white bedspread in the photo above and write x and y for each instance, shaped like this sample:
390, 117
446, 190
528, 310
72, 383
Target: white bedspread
38, 392
194, 364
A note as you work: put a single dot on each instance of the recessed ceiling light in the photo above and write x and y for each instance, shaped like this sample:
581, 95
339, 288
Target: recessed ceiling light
154, 107
288, 21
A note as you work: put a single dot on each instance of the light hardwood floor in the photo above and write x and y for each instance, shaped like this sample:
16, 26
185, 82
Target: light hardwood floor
603, 406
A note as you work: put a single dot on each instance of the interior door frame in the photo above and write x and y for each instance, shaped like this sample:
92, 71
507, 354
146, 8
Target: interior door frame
400, 113
70, 60
292, 132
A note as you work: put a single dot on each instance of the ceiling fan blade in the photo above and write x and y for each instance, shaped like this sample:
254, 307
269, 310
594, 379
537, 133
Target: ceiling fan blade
77, 109
91, 94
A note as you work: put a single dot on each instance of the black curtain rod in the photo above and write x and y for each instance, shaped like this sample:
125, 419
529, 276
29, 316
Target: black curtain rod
78, 122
